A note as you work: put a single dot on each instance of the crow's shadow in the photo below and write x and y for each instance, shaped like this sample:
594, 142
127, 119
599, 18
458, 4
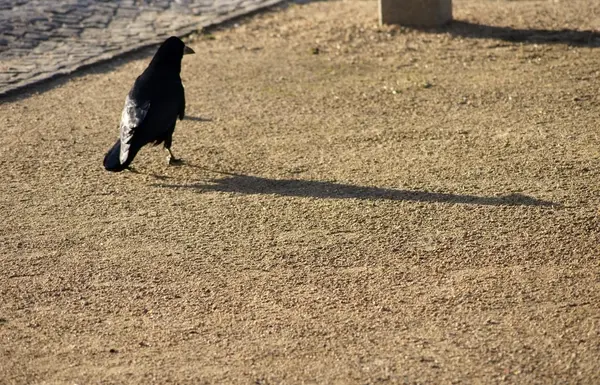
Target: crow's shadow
573, 37
246, 184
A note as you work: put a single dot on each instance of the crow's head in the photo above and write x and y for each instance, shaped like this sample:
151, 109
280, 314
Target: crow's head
170, 53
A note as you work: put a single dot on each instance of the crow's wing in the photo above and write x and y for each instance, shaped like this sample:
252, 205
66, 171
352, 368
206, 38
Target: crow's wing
182, 105
133, 115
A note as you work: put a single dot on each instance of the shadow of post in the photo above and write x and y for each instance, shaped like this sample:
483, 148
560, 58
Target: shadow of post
571, 37
246, 184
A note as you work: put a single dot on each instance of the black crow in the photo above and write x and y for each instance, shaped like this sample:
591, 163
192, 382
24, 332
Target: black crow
152, 107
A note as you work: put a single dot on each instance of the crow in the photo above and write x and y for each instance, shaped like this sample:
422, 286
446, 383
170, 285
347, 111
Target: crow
152, 107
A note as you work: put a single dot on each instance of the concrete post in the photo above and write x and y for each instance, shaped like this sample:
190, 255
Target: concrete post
418, 13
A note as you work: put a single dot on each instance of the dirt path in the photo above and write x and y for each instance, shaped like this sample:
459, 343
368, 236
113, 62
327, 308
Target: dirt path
402, 207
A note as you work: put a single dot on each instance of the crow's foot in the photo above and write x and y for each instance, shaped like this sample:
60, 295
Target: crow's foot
172, 160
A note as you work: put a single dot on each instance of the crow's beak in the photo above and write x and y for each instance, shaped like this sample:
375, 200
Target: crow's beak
187, 50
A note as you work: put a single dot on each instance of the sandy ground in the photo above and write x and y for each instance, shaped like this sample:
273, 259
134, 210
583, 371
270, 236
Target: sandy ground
359, 205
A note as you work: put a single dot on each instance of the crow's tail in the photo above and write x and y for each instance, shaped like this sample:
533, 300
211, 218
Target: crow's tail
111, 159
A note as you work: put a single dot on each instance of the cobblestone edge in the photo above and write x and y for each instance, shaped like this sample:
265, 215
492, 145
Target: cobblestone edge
14, 89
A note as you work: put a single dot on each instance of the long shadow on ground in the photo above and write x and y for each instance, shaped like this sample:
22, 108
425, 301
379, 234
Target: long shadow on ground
570, 37
246, 184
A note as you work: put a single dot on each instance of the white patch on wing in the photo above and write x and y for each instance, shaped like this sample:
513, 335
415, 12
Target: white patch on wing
132, 116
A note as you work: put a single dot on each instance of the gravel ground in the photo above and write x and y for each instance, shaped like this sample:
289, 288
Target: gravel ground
358, 205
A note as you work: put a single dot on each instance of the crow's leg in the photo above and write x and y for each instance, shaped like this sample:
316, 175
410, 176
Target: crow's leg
171, 158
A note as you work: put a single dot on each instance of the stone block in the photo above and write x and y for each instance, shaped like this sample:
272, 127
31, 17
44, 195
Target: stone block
417, 13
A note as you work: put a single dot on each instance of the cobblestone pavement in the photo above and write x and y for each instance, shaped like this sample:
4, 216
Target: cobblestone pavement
43, 38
